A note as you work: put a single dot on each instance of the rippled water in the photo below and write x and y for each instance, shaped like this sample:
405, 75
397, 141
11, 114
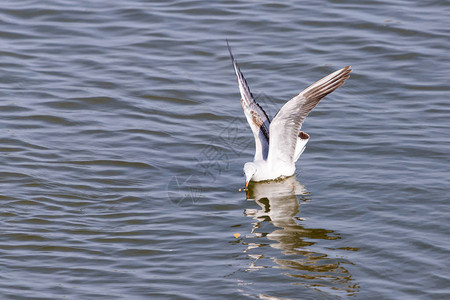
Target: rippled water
122, 145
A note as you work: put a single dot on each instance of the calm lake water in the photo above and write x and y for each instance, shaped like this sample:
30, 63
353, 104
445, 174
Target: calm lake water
122, 143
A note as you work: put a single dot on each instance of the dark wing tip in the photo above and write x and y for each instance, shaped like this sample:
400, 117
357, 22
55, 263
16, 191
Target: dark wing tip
231, 54
347, 70
320, 89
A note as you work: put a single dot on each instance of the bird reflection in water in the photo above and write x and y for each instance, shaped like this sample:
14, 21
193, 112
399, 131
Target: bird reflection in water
303, 257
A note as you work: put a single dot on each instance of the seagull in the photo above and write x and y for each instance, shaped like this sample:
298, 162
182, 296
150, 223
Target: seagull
279, 144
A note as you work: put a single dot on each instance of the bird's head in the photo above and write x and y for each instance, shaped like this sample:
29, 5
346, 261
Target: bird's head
249, 171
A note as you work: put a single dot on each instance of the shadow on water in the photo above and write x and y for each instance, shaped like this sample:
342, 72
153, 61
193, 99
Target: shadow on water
301, 256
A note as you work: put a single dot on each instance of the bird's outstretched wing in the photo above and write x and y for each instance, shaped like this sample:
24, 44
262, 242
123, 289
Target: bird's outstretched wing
285, 127
257, 118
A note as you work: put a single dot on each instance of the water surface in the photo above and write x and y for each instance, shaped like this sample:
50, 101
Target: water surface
122, 145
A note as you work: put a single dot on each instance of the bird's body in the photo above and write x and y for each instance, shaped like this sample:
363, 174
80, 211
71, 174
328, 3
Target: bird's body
267, 171
280, 143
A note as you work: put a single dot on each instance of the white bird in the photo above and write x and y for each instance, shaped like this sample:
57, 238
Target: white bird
279, 144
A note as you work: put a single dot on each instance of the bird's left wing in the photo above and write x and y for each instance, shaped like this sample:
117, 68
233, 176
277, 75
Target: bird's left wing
256, 117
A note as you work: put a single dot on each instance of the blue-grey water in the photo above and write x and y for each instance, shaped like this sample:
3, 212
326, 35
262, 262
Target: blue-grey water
122, 143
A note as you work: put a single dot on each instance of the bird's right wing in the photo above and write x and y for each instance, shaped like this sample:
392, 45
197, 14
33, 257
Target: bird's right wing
256, 117
285, 127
